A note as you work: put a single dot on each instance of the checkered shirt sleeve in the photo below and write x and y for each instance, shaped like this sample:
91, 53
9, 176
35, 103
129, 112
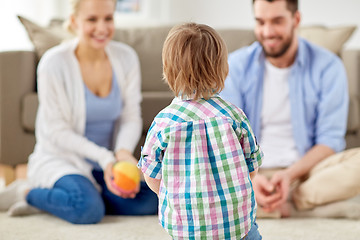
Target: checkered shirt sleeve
252, 152
152, 153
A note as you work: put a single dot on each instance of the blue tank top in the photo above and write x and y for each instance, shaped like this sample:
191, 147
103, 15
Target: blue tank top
101, 115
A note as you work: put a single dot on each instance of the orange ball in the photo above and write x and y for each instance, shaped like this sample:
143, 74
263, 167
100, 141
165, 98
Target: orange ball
126, 176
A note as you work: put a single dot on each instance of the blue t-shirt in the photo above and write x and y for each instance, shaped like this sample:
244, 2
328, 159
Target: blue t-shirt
101, 115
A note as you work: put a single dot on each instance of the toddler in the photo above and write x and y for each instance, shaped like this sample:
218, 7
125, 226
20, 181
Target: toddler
200, 152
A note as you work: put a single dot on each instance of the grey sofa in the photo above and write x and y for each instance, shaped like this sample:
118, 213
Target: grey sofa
18, 99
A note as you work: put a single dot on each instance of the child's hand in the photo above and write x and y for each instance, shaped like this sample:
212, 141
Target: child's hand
154, 184
253, 173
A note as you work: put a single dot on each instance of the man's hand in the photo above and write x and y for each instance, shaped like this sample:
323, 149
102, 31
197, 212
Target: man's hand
281, 181
265, 192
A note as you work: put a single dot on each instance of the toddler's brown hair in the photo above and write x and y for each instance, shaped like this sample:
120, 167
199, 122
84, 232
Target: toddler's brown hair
194, 61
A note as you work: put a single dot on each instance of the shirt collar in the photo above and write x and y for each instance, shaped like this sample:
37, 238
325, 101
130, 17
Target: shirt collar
300, 56
191, 97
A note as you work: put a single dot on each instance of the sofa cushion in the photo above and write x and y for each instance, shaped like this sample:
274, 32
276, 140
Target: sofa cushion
43, 38
148, 43
151, 105
331, 38
237, 38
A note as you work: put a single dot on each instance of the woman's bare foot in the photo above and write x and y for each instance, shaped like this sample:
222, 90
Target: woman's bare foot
22, 208
13, 193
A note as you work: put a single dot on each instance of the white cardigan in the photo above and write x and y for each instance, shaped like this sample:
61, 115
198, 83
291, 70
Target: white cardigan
60, 124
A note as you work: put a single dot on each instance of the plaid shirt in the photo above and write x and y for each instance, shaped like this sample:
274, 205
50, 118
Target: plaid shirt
203, 152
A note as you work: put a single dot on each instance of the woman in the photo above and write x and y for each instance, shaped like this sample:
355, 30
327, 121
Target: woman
89, 117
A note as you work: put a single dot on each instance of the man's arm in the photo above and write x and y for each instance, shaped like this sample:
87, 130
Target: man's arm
315, 155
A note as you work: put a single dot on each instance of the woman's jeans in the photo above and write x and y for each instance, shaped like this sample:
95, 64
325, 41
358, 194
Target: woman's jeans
75, 199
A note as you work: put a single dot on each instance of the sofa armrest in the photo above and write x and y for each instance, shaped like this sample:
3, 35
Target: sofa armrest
17, 78
351, 59
29, 106
153, 102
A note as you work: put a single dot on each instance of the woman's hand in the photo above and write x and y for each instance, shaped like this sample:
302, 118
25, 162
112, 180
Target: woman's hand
108, 177
121, 155
125, 155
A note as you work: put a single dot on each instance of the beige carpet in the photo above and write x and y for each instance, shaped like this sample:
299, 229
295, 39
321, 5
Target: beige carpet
46, 227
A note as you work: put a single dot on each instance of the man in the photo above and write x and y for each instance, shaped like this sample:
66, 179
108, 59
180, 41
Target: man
295, 95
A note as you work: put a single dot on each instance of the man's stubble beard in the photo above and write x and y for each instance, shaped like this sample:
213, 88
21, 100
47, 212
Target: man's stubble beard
284, 48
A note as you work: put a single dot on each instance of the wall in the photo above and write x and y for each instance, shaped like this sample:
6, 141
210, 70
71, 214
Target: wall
216, 13
333, 13
238, 13
13, 34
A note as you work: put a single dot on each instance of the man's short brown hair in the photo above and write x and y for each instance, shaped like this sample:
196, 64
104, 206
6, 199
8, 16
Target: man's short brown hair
194, 61
292, 5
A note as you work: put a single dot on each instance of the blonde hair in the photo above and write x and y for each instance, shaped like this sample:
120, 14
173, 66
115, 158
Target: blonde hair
194, 61
75, 6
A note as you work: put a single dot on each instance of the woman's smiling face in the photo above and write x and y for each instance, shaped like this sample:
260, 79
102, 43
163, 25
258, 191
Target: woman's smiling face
94, 22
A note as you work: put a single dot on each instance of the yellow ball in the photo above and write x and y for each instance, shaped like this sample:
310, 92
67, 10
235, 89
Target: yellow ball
126, 176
